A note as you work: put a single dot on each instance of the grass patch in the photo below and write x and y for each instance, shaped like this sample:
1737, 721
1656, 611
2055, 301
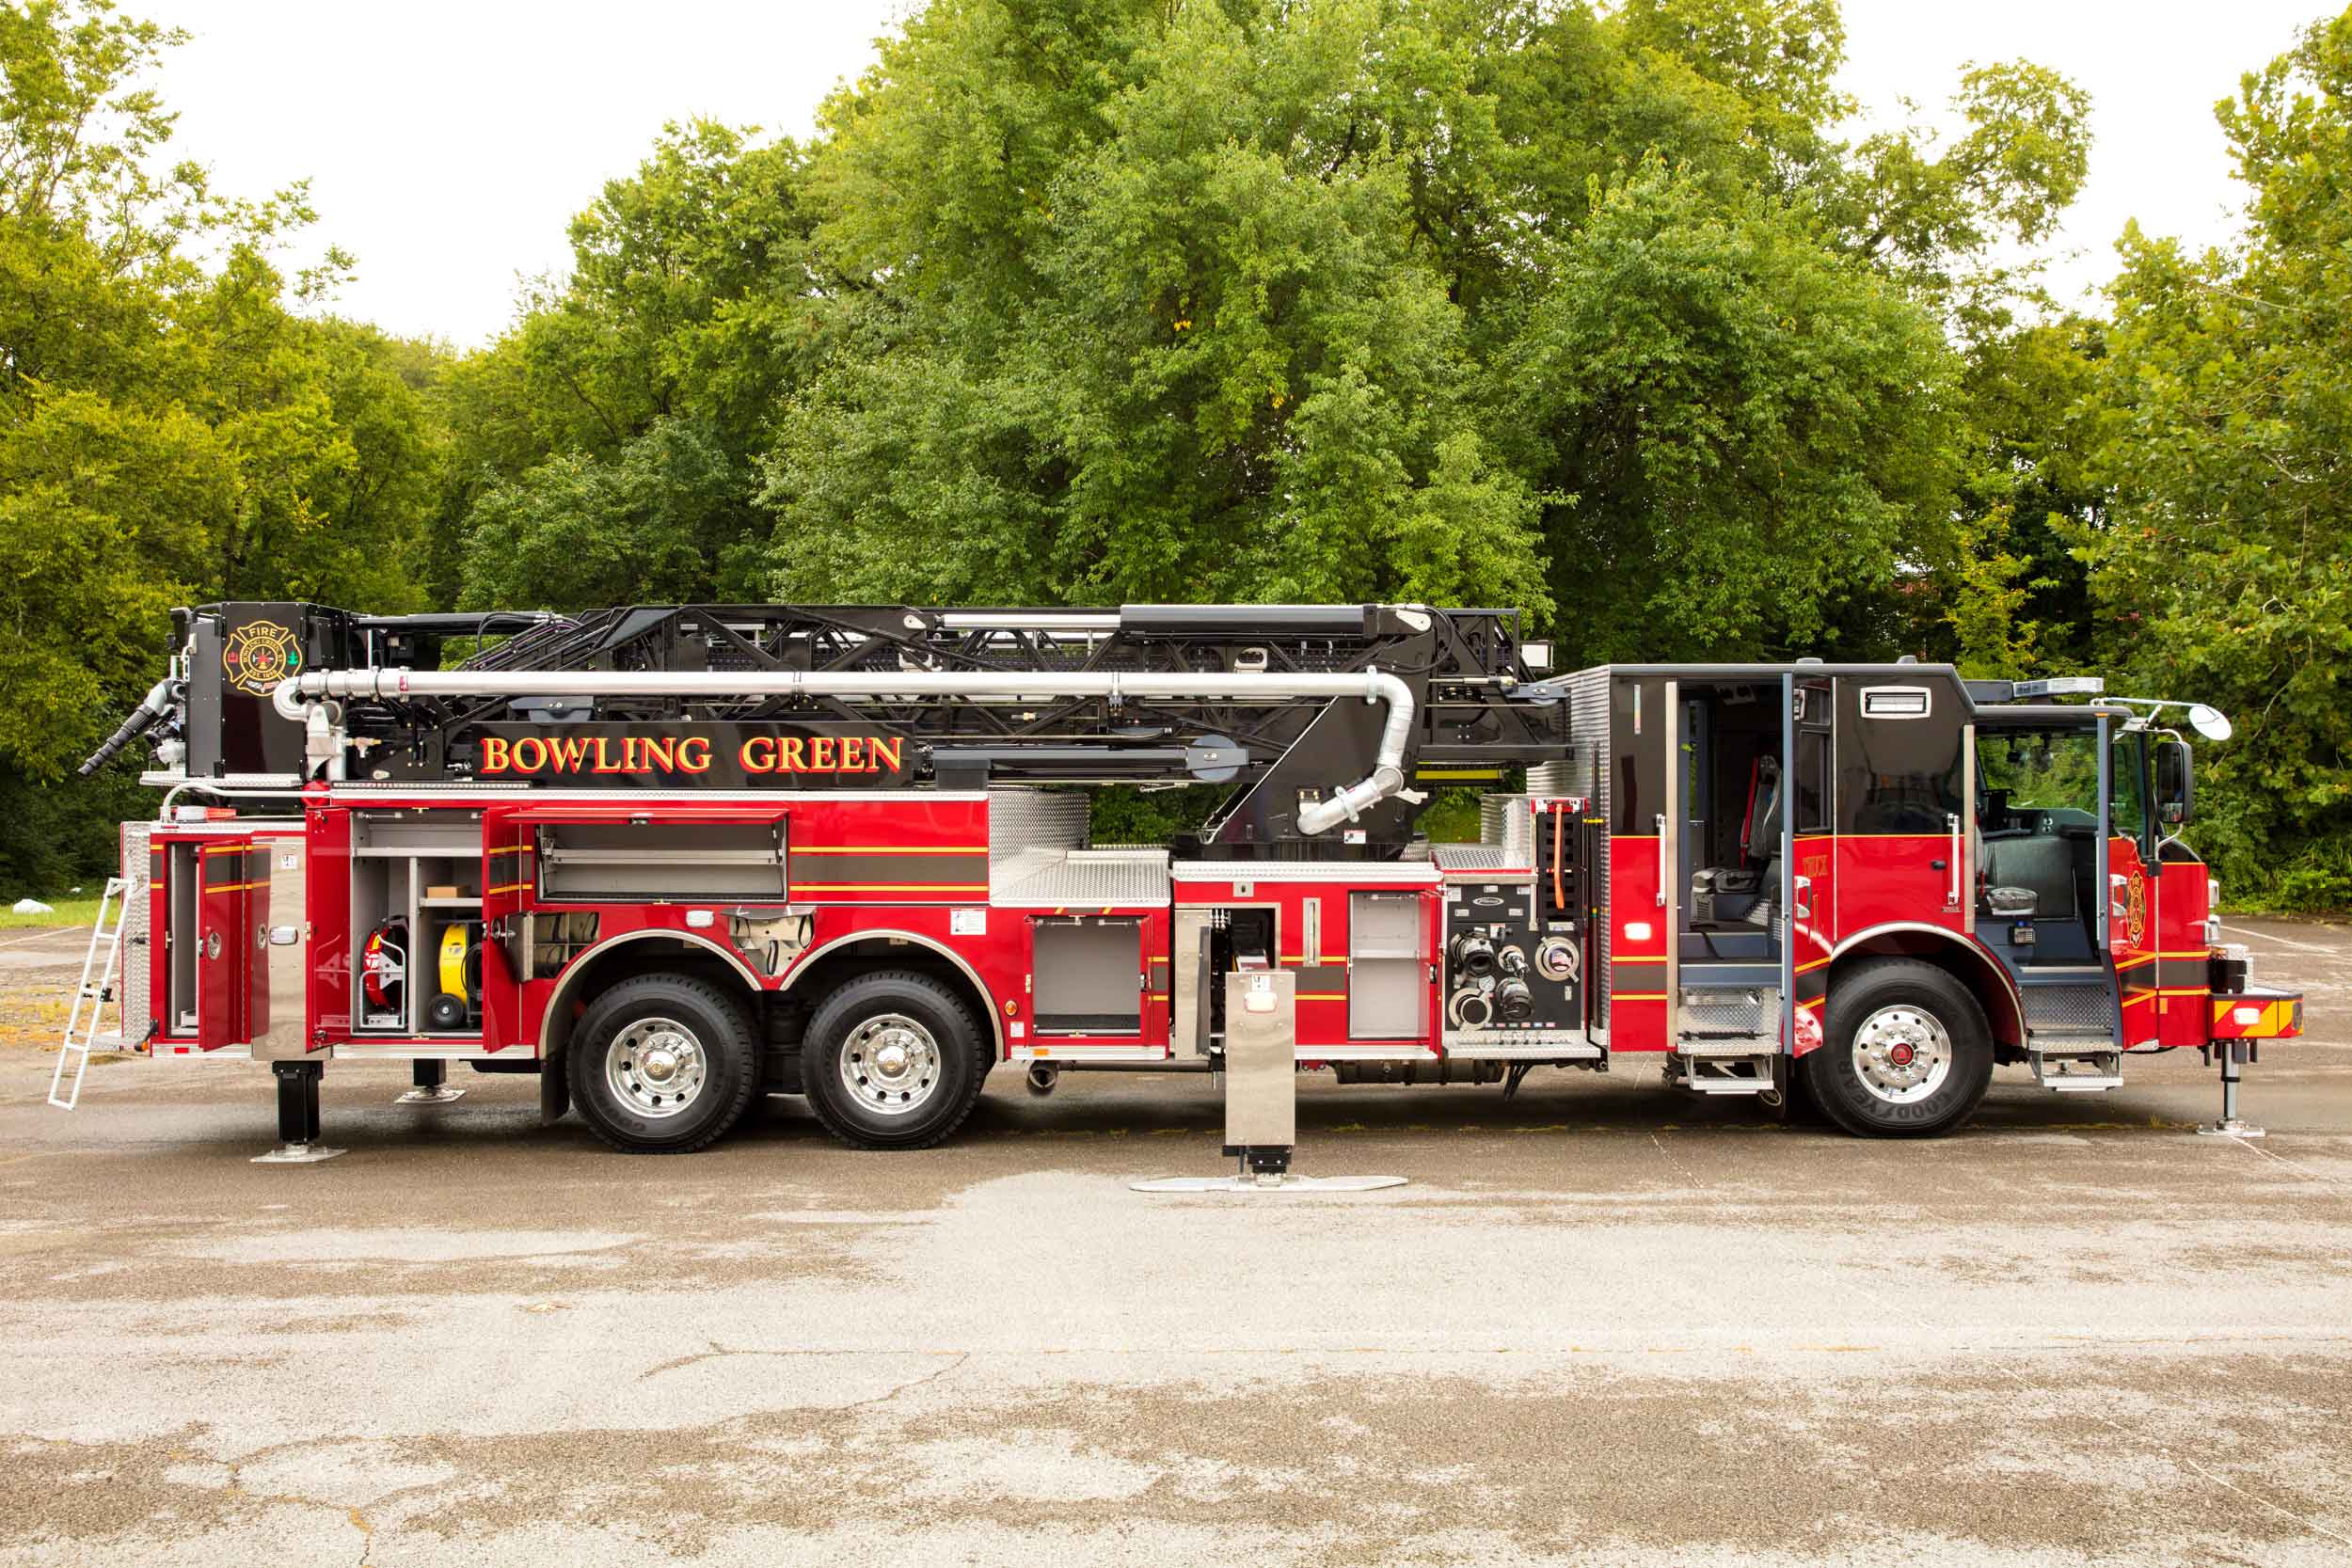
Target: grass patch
70, 911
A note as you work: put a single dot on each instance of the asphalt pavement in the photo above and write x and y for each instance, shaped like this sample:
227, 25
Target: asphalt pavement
1602, 1323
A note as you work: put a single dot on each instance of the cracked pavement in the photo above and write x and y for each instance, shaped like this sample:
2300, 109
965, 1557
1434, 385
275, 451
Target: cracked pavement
1602, 1324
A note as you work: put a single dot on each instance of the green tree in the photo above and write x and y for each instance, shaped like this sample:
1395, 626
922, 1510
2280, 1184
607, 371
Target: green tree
170, 432
2223, 571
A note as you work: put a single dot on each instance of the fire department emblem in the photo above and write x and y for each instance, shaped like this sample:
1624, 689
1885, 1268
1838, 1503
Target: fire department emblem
2136, 907
258, 655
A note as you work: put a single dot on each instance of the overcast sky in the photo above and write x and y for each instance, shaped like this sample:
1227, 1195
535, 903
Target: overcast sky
449, 144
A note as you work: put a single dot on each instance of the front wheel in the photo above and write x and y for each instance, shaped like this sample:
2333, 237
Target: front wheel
1908, 1054
893, 1060
663, 1064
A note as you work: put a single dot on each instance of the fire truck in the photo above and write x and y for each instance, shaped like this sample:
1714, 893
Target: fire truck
668, 858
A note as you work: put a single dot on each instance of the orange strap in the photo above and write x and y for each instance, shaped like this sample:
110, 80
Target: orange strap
1559, 823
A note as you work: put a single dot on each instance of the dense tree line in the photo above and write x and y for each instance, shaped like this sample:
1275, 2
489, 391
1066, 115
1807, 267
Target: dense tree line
1598, 308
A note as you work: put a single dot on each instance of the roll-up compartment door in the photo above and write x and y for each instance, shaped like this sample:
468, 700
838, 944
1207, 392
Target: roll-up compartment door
596, 855
1387, 959
1089, 974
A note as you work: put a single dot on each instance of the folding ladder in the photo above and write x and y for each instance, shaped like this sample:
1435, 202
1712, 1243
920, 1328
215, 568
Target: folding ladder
95, 991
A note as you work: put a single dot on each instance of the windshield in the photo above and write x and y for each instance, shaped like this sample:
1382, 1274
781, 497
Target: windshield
2037, 781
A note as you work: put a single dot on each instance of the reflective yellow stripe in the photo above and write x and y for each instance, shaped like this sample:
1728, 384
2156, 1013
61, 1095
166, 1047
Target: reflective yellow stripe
885, 849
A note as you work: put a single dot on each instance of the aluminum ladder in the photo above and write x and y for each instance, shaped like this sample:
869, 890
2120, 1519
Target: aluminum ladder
96, 990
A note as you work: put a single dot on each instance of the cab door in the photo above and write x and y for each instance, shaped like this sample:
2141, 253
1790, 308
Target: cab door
2132, 889
1905, 760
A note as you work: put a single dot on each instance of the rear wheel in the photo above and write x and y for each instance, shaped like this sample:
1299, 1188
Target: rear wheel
663, 1064
1908, 1055
893, 1060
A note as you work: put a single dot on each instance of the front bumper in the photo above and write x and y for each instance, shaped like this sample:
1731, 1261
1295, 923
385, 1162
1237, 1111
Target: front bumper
2257, 1013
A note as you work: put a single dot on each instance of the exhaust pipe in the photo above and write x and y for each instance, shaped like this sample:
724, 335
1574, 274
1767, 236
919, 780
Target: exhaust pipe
1042, 1078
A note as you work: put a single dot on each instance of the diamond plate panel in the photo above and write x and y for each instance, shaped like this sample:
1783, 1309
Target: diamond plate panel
1022, 820
1081, 877
2070, 1007
1728, 1012
131, 972
1505, 824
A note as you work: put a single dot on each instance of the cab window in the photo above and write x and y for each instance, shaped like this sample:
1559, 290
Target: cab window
2038, 781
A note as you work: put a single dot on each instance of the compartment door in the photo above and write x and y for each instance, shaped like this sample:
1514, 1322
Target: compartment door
231, 941
1388, 987
277, 1022
1088, 976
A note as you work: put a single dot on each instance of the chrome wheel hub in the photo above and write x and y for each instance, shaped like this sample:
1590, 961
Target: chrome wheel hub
890, 1064
655, 1067
1902, 1053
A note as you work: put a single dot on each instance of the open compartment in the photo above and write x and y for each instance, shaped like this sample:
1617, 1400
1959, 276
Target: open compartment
1089, 974
1388, 952
416, 917
181, 943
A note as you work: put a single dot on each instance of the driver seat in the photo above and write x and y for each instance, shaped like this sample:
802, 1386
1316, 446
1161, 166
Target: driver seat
2029, 877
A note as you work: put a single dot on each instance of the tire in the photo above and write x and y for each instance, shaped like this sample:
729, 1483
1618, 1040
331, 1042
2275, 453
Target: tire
1908, 1054
893, 1059
663, 1064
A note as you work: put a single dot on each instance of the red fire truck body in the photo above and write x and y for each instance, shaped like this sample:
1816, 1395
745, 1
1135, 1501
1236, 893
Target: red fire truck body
854, 863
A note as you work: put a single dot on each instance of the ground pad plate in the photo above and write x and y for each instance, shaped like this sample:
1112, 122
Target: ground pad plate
295, 1154
1277, 1184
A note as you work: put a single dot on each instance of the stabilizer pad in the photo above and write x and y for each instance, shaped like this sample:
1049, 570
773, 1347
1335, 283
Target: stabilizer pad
1285, 1183
295, 1154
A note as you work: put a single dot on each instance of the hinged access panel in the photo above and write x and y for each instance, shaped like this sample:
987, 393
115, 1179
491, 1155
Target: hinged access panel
230, 941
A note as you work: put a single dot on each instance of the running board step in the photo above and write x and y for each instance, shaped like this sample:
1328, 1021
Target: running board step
1727, 1045
1713, 1072
1462, 1049
2077, 1071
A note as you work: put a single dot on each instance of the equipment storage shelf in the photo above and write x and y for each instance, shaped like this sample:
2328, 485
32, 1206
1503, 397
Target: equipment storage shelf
416, 900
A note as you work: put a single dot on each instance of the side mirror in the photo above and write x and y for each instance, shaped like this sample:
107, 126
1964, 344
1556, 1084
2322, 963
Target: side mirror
2176, 782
